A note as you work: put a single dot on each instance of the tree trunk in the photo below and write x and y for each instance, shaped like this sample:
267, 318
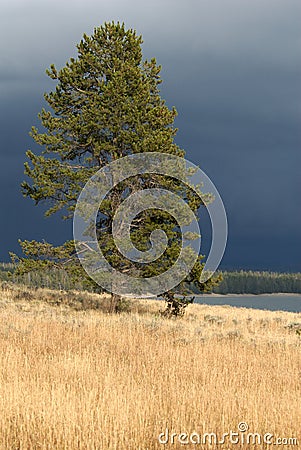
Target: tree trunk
115, 303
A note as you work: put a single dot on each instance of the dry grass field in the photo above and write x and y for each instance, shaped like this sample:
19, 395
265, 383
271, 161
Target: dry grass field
74, 377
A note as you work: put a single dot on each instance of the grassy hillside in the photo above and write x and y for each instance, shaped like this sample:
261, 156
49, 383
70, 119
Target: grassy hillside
74, 377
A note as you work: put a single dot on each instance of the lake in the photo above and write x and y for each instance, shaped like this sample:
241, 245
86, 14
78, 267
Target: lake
277, 302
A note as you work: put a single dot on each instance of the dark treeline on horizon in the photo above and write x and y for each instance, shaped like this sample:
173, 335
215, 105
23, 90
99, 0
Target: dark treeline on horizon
253, 282
234, 282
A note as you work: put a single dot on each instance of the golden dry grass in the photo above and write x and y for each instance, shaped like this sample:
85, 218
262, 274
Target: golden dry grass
88, 380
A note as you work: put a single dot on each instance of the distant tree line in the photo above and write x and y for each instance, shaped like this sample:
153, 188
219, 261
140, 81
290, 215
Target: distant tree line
51, 279
234, 282
250, 282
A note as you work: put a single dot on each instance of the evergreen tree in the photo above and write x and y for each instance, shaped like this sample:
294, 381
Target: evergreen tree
106, 105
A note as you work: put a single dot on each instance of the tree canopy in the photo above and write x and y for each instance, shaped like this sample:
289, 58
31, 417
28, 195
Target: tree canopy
106, 105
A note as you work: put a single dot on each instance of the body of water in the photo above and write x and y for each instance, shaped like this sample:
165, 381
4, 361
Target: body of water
291, 303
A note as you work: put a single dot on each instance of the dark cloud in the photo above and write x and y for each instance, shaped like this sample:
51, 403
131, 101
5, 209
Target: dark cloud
232, 70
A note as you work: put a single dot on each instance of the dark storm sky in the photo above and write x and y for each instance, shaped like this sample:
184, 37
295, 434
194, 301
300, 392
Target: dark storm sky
232, 68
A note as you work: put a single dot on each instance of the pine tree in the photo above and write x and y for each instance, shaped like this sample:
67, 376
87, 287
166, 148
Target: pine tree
106, 105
